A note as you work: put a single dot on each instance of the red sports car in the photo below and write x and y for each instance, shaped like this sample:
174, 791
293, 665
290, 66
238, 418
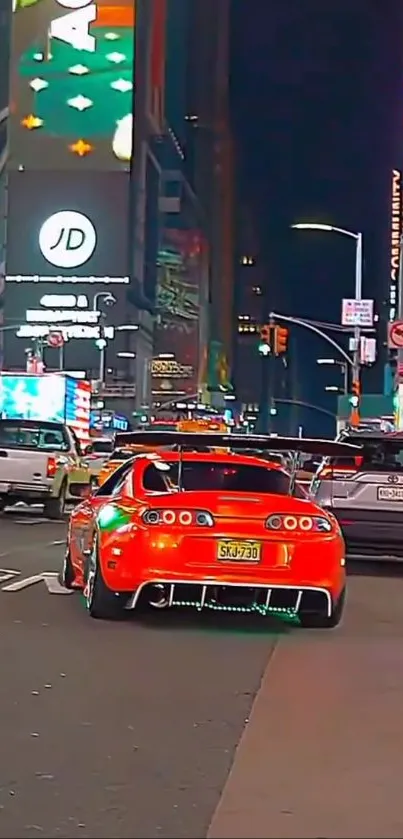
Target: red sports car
223, 531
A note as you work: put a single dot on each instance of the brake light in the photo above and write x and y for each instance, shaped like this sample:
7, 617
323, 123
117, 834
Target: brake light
300, 524
185, 518
330, 473
51, 467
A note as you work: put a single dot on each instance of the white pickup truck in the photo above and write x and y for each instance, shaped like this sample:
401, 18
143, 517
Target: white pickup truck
38, 462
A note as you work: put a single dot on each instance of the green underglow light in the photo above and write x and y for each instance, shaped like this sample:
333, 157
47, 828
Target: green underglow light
255, 608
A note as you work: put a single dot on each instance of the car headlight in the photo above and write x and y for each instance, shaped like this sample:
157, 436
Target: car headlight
299, 524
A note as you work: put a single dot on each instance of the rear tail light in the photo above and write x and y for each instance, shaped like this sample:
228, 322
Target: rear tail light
51, 467
299, 524
330, 473
184, 518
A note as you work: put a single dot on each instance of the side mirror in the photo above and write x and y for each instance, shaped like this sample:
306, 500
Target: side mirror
88, 449
81, 491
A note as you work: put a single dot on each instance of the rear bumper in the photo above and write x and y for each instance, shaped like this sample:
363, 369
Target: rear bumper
34, 492
369, 534
131, 562
261, 599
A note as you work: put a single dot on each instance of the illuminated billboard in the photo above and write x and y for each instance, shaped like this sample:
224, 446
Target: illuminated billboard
175, 369
72, 70
67, 254
47, 399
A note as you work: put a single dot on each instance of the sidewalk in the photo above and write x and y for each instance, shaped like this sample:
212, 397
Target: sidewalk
322, 754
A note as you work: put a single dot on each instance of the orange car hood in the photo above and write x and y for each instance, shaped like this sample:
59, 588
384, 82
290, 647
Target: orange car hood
227, 504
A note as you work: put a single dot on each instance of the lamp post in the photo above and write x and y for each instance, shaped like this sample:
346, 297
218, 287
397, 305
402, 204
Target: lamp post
356, 378
102, 343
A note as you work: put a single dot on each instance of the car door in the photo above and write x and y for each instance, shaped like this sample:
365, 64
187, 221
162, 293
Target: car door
83, 518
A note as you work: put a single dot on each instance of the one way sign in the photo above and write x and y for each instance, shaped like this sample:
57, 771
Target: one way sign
395, 335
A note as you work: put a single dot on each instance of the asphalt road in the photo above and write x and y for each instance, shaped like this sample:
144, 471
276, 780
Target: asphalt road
127, 730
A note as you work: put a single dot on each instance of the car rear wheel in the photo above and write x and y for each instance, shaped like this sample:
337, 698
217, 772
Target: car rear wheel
67, 575
321, 620
102, 603
55, 508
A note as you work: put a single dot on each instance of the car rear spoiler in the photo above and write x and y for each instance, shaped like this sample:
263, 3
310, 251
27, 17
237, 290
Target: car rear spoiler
257, 442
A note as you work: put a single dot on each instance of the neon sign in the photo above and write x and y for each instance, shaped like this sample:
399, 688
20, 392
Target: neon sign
396, 232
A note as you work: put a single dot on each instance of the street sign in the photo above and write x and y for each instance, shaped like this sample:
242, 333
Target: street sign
395, 335
367, 350
357, 312
55, 340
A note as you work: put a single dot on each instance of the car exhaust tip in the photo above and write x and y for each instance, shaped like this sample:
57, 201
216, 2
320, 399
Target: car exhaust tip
159, 598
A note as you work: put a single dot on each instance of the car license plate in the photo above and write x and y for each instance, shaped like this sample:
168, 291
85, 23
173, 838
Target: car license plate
390, 493
234, 551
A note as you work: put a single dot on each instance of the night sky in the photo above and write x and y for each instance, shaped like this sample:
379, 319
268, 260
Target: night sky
317, 97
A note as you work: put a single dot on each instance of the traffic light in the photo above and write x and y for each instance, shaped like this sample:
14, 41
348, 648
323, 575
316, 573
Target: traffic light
265, 340
265, 334
355, 402
280, 340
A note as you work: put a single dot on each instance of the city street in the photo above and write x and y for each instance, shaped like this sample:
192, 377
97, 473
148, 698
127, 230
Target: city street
131, 730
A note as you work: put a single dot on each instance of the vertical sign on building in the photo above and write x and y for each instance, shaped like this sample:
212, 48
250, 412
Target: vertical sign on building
70, 148
396, 233
156, 105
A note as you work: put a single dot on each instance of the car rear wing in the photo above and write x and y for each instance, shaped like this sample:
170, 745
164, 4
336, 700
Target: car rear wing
241, 442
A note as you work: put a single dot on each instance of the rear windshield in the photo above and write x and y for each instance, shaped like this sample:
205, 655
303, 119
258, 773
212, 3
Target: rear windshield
377, 455
35, 436
122, 454
162, 476
102, 446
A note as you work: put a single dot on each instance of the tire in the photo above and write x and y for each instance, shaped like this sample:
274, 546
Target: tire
320, 620
67, 575
55, 508
101, 602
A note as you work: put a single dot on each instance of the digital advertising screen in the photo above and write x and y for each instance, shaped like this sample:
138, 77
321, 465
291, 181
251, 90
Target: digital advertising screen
78, 408
47, 399
72, 71
175, 368
67, 264
32, 397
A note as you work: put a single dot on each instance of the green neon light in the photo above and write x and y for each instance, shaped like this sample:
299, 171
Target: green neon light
255, 608
111, 517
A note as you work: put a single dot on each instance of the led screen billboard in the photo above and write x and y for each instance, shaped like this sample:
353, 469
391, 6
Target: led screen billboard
47, 399
72, 69
176, 366
67, 251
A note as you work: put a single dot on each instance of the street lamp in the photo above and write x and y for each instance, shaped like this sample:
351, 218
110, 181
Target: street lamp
102, 343
343, 366
329, 228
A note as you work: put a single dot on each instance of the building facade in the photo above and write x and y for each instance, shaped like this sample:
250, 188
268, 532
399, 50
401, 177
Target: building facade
69, 177
5, 31
212, 161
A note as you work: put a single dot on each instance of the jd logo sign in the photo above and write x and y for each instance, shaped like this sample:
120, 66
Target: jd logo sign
67, 239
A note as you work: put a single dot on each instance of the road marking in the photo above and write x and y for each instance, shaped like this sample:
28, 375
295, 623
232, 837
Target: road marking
50, 578
8, 574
